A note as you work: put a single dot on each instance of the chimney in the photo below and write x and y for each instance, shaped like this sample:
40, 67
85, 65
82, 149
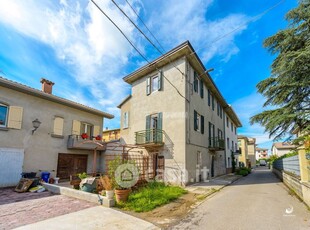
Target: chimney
47, 86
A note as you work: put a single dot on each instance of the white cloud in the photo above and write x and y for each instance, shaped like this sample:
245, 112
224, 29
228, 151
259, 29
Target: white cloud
188, 20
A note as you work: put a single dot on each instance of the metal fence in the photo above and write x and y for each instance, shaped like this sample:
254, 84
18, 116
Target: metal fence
289, 164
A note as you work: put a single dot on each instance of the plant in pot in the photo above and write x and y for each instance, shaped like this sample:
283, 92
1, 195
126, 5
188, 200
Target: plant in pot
107, 184
87, 184
124, 175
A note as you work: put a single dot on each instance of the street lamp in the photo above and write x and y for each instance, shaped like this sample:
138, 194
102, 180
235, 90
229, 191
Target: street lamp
36, 124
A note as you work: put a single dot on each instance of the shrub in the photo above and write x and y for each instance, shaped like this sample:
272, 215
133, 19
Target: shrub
243, 172
154, 194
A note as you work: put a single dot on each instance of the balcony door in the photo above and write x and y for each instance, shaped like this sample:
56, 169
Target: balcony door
154, 127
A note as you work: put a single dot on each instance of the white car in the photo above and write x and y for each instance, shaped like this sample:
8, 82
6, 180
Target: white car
262, 163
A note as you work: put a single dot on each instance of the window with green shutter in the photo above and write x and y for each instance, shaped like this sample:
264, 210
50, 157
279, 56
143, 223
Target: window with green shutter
195, 82
201, 88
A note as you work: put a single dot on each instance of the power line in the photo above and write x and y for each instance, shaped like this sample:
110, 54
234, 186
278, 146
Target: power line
136, 47
145, 26
146, 37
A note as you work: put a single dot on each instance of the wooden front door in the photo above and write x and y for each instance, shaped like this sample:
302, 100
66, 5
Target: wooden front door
71, 164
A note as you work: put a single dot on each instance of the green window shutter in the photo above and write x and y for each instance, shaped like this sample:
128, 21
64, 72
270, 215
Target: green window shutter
160, 80
202, 124
209, 99
148, 86
195, 120
148, 126
160, 121
201, 88
195, 82
210, 137
212, 102
159, 127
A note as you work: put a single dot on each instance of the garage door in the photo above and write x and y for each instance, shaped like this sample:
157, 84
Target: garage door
11, 166
71, 164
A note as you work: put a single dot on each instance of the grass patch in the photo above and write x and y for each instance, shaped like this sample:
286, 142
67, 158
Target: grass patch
153, 195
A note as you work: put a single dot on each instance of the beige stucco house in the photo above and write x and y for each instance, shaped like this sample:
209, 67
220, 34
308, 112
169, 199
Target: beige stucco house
176, 113
281, 148
248, 150
57, 145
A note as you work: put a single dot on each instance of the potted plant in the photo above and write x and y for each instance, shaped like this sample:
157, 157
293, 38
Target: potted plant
121, 192
84, 136
107, 184
98, 138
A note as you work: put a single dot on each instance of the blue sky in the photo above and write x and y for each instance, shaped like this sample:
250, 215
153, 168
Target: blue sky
72, 44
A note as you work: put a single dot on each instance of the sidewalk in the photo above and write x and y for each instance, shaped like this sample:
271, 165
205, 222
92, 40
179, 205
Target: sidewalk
92, 218
213, 185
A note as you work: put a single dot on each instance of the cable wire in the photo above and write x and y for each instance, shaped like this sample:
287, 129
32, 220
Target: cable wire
136, 47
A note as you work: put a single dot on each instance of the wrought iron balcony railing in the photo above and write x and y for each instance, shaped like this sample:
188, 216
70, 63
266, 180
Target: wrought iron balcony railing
149, 136
216, 143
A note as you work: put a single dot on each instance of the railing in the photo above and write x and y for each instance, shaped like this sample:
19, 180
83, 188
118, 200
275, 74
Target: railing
149, 136
77, 142
216, 143
289, 164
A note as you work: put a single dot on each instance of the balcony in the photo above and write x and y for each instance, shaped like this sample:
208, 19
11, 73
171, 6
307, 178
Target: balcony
216, 144
149, 138
77, 142
238, 152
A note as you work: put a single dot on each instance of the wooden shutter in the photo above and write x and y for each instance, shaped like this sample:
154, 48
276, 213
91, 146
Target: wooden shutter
195, 82
159, 126
125, 120
76, 127
160, 80
209, 99
148, 86
202, 124
58, 126
96, 130
15, 117
201, 88
195, 121
147, 127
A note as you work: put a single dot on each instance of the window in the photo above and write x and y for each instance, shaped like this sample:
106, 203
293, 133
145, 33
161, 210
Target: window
220, 134
87, 128
154, 83
235, 130
232, 126
212, 102
58, 126
125, 120
218, 109
3, 115
232, 146
211, 134
236, 146
227, 122
199, 122
196, 82
11, 116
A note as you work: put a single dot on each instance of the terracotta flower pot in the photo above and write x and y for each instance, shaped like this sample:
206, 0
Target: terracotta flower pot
122, 195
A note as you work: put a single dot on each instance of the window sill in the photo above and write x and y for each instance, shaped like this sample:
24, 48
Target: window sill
4, 129
126, 128
57, 136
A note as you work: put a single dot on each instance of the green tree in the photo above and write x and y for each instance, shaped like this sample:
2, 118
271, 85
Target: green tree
287, 90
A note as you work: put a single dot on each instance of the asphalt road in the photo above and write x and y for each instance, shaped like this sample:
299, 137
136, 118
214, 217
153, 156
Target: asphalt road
258, 201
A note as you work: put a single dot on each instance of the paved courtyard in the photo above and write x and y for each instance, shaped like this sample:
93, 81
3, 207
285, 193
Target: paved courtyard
19, 209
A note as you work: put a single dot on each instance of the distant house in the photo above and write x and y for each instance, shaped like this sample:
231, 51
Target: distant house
43, 132
281, 148
261, 153
111, 135
179, 117
247, 155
